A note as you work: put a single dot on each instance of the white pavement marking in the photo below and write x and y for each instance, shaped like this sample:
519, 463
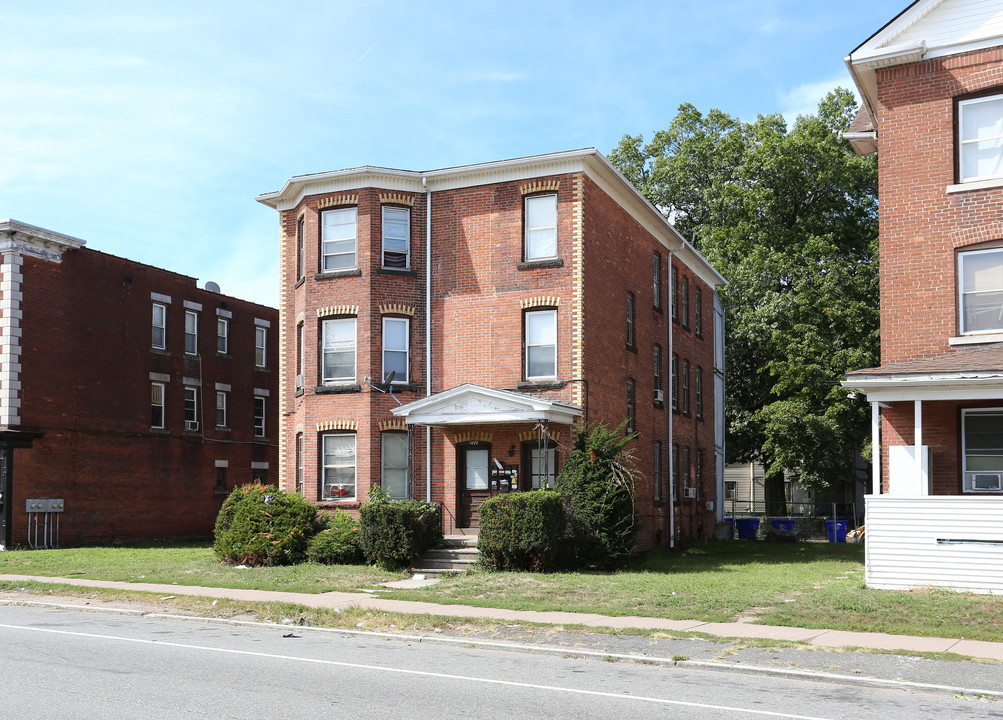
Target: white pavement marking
421, 673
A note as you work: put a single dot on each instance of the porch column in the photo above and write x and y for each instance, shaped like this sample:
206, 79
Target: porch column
918, 452
875, 448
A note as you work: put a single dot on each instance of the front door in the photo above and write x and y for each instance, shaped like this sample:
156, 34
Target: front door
472, 482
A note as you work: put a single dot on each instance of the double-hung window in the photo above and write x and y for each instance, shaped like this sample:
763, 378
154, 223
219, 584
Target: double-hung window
338, 351
685, 308
540, 223
394, 462
260, 429
631, 420
983, 450
339, 467
395, 349
338, 239
658, 471
674, 379
542, 467
221, 409
300, 248
157, 405
630, 320
656, 271
222, 336
697, 311
191, 332
686, 387
674, 292
396, 238
980, 290
300, 474
300, 350
980, 138
260, 345
159, 326
698, 390
191, 408
541, 344
657, 353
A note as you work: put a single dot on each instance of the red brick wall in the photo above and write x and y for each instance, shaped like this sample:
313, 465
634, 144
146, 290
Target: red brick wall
86, 365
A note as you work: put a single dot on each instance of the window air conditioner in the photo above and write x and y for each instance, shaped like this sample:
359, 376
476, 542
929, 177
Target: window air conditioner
191, 424
659, 396
987, 481
690, 493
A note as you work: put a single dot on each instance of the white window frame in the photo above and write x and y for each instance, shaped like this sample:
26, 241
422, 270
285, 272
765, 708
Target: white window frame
161, 326
530, 252
324, 495
260, 346
155, 403
222, 336
327, 259
221, 409
525, 332
399, 379
385, 466
967, 475
191, 405
193, 316
300, 467
962, 294
340, 379
300, 248
300, 354
966, 145
260, 429
406, 237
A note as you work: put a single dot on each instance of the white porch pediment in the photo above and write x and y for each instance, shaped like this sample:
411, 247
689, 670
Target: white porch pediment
938, 386
473, 404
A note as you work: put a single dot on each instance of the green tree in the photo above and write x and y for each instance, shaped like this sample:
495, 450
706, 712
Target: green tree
789, 217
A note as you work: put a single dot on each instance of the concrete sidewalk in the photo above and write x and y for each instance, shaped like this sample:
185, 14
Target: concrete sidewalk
821, 638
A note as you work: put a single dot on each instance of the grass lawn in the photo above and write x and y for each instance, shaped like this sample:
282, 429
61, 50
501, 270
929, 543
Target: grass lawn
808, 585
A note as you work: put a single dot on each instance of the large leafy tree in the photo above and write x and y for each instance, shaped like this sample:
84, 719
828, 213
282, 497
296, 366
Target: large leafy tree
789, 217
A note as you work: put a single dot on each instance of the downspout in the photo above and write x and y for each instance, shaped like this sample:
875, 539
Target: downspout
428, 332
672, 447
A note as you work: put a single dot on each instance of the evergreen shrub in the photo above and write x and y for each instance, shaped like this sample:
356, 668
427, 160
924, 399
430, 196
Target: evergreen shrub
393, 533
337, 543
522, 531
260, 525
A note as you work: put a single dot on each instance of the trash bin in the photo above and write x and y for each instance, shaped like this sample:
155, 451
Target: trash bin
748, 528
783, 524
836, 530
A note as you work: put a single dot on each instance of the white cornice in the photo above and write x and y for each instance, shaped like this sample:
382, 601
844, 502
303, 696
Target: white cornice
928, 386
20, 237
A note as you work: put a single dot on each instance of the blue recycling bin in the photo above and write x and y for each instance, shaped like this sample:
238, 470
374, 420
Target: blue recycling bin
783, 524
748, 528
836, 530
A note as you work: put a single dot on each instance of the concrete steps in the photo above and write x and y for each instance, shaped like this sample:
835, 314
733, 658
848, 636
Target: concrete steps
458, 554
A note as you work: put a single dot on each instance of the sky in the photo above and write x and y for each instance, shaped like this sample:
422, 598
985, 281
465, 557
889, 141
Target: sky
148, 128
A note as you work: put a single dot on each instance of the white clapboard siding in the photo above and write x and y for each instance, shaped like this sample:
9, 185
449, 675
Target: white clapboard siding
902, 548
956, 21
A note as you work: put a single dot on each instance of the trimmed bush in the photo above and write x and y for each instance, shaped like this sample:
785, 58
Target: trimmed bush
338, 543
522, 530
597, 484
393, 533
259, 525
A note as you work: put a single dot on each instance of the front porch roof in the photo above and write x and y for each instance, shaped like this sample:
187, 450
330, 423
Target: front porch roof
968, 373
470, 404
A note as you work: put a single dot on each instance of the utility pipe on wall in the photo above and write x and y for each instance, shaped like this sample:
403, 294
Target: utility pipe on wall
672, 447
428, 332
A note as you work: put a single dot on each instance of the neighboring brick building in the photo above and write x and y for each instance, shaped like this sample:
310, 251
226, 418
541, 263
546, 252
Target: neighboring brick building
552, 292
932, 84
126, 392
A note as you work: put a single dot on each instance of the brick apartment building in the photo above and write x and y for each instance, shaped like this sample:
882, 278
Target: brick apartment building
932, 84
551, 293
131, 401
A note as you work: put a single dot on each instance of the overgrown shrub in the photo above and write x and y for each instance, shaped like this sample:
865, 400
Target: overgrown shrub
597, 485
523, 530
259, 525
393, 533
337, 543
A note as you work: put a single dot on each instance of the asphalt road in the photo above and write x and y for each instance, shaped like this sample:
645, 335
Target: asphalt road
69, 664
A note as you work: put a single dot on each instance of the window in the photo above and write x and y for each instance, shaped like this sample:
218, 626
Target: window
630, 407
259, 476
698, 390
540, 221
338, 351
300, 249
191, 408
686, 480
675, 469
338, 239
686, 387
657, 352
697, 311
656, 270
395, 349
980, 138
299, 463
980, 285
394, 462
259, 417
396, 238
541, 344
983, 450
221, 409
159, 326
658, 471
675, 382
542, 474
191, 332
222, 335
157, 405
260, 340
339, 467
221, 478
674, 289
300, 349
685, 311
730, 489
630, 320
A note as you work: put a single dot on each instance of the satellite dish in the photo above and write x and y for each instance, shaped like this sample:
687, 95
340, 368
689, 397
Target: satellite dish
212, 287
388, 379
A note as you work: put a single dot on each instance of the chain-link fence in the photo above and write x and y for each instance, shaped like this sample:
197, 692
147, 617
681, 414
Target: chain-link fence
800, 521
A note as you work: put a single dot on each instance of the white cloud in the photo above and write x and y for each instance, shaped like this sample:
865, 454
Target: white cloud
804, 99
